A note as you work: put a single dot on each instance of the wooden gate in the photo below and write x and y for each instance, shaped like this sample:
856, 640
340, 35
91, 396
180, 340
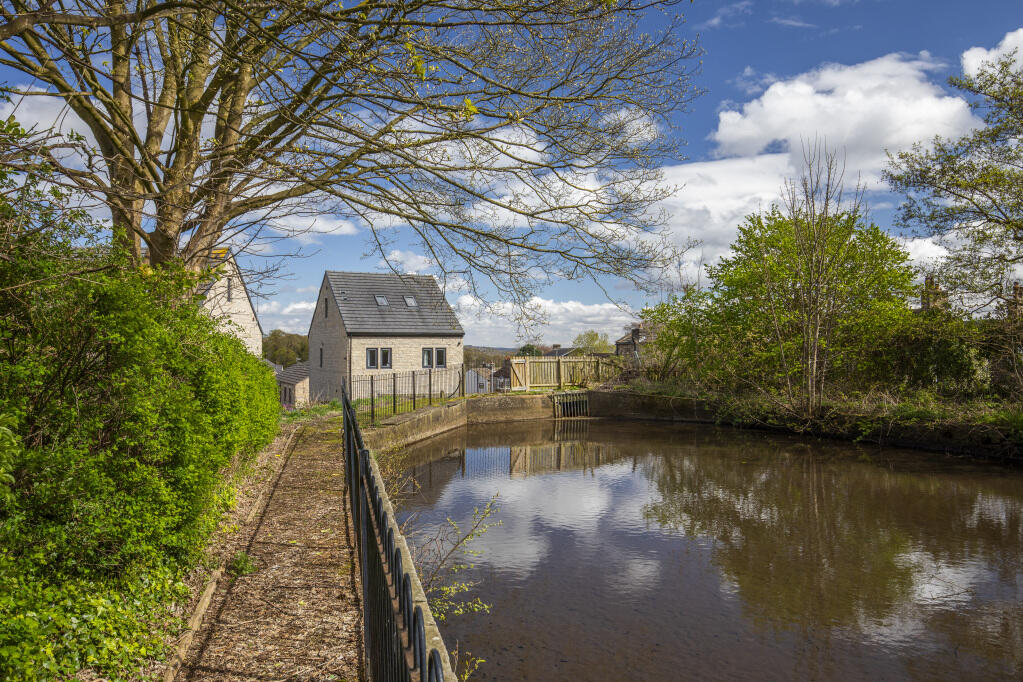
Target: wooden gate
540, 372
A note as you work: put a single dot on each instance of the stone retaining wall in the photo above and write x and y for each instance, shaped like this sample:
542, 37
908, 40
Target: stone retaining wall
403, 430
625, 405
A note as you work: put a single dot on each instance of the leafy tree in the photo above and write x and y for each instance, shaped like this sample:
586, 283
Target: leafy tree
800, 316
510, 139
966, 191
285, 349
590, 341
530, 349
807, 294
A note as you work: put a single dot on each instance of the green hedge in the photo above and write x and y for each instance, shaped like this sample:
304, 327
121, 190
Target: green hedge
121, 405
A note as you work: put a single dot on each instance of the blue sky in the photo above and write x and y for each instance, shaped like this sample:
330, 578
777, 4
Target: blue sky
863, 74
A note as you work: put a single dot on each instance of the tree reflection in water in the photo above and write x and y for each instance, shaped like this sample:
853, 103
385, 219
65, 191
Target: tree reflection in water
729, 554
812, 541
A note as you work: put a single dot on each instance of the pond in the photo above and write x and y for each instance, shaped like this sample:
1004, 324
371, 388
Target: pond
646, 551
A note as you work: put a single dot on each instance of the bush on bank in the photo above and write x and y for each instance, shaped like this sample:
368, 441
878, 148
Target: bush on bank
121, 405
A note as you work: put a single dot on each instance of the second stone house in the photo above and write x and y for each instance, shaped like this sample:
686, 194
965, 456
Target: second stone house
378, 324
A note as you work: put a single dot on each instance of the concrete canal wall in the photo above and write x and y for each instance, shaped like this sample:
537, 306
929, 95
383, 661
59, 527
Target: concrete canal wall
405, 429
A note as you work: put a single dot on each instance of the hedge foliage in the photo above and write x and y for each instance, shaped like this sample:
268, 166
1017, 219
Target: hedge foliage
121, 405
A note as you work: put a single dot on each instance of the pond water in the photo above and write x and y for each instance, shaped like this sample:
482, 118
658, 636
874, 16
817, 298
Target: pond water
644, 551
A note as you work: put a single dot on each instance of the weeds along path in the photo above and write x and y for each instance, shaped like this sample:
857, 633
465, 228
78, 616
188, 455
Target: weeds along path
297, 615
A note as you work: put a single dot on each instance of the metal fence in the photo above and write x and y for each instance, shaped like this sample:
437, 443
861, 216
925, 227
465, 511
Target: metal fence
383, 394
387, 393
402, 642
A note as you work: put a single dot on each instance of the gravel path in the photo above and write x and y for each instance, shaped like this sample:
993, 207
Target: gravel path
298, 616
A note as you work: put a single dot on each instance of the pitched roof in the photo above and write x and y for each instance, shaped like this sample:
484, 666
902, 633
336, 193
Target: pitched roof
355, 294
292, 374
274, 366
561, 352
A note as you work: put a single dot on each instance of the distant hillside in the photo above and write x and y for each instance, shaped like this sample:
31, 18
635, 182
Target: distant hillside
492, 349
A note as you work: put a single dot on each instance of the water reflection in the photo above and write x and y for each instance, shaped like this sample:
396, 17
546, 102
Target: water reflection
730, 553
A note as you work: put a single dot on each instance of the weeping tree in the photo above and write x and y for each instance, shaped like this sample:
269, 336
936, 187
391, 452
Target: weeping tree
513, 143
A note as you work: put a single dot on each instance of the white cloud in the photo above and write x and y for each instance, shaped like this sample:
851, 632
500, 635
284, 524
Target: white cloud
791, 22
564, 321
973, 58
924, 252
299, 307
751, 82
717, 195
727, 14
406, 262
863, 109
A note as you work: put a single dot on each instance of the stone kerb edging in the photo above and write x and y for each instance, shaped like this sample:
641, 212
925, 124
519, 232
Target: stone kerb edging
430, 629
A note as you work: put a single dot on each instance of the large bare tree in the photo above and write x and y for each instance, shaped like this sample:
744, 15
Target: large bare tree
517, 142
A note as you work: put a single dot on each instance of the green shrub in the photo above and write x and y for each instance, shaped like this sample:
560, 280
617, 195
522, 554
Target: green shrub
120, 407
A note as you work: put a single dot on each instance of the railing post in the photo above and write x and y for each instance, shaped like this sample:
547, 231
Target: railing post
461, 384
413, 390
429, 391
394, 393
372, 400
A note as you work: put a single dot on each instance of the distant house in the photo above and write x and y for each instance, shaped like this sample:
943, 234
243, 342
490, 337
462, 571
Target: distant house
379, 324
632, 343
486, 379
293, 385
226, 298
557, 351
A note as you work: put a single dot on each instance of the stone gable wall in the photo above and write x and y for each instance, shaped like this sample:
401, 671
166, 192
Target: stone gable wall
326, 333
234, 314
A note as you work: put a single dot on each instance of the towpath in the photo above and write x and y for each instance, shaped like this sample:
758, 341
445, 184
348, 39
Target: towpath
298, 615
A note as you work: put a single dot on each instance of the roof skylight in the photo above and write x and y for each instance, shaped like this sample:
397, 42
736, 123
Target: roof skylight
411, 302
381, 300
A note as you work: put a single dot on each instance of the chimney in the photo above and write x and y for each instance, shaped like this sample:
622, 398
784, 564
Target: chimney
555, 346
635, 334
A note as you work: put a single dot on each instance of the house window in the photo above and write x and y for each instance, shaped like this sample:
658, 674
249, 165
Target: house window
411, 302
385, 358
435, 357
321, 356
372, 358
381, 300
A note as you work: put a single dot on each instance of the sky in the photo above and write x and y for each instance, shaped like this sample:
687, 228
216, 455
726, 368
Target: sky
863, 75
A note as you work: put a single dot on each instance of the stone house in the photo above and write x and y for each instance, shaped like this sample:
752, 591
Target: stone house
557, 351
379, 324
293, 385
630, 345
227, 299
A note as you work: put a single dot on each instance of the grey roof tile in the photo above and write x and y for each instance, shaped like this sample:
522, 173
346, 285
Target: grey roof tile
356, 292
292, 374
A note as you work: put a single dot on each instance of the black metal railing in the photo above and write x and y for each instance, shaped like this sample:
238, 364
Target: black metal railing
386, 393
401, 638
